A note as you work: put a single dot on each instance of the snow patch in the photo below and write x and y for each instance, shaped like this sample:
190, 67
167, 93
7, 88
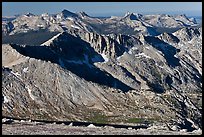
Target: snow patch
130, 52
193, 124
175, 128
6, 100
16, 75
71, 124
50, 40
74, 26
91, 126
121, 55
105, 57
176, 56
197, 76
40, 25
142, 54
187, 103
147, 47
25, 69
159, 66
63, 23
29, 92
183, 63
198, 131
118, 58
69, 18
191, 41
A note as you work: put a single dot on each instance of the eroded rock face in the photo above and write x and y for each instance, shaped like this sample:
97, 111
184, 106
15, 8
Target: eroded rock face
82, 75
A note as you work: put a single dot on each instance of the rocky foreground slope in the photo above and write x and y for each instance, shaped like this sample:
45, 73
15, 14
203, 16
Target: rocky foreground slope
28, 128
80, 75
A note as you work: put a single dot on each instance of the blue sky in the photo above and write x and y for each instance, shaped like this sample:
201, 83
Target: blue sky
103, 8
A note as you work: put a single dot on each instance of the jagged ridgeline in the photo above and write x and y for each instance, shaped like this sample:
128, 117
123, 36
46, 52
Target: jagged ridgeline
131, 69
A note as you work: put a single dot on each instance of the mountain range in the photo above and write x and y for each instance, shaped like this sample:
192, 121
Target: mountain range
130, 69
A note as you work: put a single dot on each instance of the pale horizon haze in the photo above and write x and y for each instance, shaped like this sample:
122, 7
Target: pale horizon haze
103, 8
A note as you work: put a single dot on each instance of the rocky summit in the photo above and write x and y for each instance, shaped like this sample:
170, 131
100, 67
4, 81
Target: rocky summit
129, 70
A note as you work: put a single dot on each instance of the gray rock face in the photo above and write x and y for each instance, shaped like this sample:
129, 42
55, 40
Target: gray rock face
115, 78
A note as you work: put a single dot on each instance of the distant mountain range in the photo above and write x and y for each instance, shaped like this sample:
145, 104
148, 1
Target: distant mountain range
131, 23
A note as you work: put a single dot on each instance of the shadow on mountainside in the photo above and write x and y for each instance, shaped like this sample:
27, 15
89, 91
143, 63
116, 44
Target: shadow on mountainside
75, 55
31, 38
168, 50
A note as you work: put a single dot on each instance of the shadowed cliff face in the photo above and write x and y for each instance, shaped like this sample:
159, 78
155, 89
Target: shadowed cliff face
76, 56
30, 38
168, 50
